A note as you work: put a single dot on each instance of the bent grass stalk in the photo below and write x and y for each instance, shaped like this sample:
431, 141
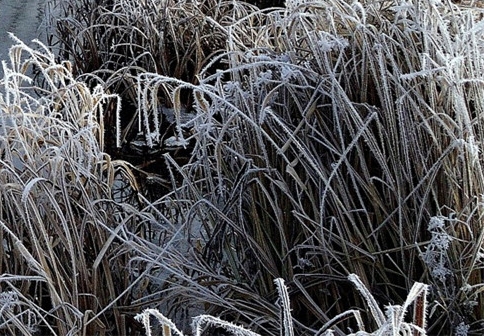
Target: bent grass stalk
57, 212
392, 324
375, 103
367, 102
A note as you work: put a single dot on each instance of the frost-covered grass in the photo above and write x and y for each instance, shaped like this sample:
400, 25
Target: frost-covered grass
389, 323
333, 145
65, 241
330, 138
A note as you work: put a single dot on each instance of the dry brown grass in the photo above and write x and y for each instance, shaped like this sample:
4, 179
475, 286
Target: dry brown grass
327, 148
65, 238
329, 138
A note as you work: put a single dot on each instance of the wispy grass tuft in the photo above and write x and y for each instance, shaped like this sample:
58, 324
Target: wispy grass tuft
393, 324
326, 139
324, 148
120, 40
66, 241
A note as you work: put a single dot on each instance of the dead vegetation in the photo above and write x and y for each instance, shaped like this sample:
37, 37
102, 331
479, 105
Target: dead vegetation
325, 139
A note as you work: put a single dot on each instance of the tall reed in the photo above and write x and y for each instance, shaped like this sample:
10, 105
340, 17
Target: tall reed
119, 40
66, 237
330, 138
330, 146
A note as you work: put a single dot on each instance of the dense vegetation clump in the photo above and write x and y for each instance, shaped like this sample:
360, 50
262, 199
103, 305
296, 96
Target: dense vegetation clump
188, 154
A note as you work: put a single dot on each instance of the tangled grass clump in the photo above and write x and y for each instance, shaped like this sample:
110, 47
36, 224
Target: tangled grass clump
392, 324
328, 147
326, 138
66, 238
120, 40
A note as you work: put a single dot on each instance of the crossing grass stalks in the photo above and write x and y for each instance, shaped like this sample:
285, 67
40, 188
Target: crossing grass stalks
329, 147
119, 40
65, 241
330, 138
392, 324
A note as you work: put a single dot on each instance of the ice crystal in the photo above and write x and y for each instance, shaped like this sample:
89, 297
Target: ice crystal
436, 222
287, 73
230, 88
8, 300
435, 255
263, 79
462, 329
328, 43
